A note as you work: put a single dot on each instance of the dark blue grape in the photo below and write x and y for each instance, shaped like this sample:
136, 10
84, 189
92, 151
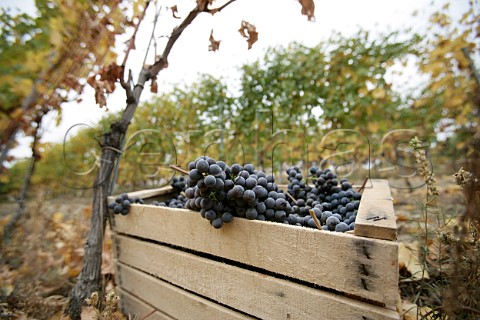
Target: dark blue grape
280, 215
227, 217
249, 167
342, 227
210, 181
325, 216
215, 170
217, 223
249, 195
202, 166
331, 222
251, 213
250, 183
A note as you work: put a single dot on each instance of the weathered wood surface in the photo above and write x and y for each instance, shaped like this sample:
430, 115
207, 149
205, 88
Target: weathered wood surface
171, 300
148, 193
363, 267
138, 309
376, 217
260, 295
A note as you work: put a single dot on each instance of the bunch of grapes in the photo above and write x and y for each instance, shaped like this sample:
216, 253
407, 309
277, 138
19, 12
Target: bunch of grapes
177, 202
334, 203
206, 183
122, 203
221, 192
297, 187
255, 196
180, 185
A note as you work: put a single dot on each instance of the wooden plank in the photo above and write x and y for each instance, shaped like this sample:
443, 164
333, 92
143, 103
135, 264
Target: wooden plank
147, 193
138, 309
243, 289
376, 216
377, 189
171, 300
364, 267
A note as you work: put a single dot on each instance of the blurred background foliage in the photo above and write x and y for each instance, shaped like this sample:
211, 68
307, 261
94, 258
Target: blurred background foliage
341, 103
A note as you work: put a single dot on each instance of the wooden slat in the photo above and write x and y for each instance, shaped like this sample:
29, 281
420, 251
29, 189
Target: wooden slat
148, 193
376, 217
259, 295
171, 300
138, 309
367, 268
377, 189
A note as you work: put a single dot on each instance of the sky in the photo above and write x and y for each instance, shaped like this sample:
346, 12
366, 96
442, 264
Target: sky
278, 22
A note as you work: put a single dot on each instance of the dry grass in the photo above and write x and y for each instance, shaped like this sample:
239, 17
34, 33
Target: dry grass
39, 266
447, 235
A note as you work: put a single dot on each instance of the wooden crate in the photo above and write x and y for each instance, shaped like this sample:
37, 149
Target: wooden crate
172, 261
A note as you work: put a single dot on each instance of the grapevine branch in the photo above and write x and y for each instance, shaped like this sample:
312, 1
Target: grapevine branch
162, 62
131, 42
131, 46
178, 169
360, 190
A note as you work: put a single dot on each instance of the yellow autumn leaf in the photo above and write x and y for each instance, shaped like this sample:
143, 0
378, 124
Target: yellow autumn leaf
35, 61
373, 127
42, 87
16, 114
419, 103
56, 37
379, 93
434, 68
463, 62
437, 85
443, 48
57, 217
369, 111
23, 87
454, 102
363, 91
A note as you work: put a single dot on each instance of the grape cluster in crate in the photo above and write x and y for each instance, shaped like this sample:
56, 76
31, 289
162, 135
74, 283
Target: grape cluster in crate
221, 192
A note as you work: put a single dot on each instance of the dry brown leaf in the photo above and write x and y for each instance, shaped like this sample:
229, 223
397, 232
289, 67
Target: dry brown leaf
214, 44
154, 86
203, 4
409, 310
175, 11
89, 313
308, 9
248, 31
408, 259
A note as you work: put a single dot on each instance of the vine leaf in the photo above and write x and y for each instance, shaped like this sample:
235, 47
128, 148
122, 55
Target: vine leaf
175, 12
248, 31
308, 9
154, 86
214, 44
109, 75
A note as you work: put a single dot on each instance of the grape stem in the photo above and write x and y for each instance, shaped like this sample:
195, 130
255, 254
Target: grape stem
360, 190
315, 219
178, 169
291, 197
